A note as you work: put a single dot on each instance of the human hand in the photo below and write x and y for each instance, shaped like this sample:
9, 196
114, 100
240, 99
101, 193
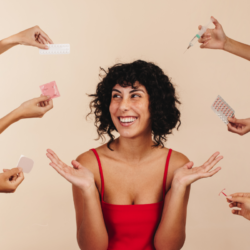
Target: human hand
240, 200
186, 175
213, 38
238, 126
36, 107
10, 180
79, 175
33, 37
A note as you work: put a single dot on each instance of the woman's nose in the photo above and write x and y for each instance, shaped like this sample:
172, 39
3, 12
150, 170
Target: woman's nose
124, 104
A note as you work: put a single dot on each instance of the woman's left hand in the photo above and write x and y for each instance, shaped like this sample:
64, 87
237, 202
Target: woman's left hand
186, 175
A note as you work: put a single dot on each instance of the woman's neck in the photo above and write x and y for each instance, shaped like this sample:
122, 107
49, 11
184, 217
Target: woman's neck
134, 150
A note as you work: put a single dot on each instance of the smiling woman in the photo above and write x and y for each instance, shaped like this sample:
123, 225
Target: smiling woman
144, 200
150, 89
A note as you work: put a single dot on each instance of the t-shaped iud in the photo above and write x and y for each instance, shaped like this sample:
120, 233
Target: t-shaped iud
221, 192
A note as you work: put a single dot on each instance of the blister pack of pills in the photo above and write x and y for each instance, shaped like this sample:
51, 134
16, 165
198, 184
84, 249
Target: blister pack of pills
50, 89
55, 49
222, 109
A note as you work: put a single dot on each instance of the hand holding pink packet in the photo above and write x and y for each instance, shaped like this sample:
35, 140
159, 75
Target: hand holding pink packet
50, 89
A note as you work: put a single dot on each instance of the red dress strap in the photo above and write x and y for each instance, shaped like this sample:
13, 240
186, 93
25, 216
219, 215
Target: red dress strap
166, 174
101, 173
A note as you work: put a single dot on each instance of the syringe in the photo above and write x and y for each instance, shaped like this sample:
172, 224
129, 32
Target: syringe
199, 34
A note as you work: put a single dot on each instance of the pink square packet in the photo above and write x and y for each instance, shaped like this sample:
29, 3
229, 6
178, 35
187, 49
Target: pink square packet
50, 89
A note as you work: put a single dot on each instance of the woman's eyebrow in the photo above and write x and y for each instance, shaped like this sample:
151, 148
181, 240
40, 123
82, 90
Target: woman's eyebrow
116, 90
135, 90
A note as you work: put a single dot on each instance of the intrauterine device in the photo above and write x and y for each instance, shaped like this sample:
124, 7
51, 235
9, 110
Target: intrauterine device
199, 34
222, 109
221, 192
55, 49
25, 163
50, 89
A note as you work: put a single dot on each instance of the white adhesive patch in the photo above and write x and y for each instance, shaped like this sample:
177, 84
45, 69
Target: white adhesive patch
25, 163
222, 109
55, 49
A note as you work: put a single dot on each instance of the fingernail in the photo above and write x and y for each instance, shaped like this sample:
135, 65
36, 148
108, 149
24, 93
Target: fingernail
48, 96
46, 47
229, 197
20, 169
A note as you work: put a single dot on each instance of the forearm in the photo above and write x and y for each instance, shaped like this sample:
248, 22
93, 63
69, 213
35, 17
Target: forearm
92, 233
171, 231
237, 48
6, 121
8, 43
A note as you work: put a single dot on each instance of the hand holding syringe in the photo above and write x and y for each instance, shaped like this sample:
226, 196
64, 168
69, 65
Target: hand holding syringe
199, 34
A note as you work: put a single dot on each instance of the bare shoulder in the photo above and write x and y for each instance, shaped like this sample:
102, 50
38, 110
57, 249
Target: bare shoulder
178, 159
88, 160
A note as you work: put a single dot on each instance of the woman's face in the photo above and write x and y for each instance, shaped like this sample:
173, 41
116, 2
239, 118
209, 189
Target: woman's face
129, 110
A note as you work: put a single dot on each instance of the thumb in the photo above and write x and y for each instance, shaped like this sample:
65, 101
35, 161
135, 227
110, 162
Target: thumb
76, 164
189, 165
12, 172
215, 22
199, 27
237, 199
42, 98
39, 45
235, 120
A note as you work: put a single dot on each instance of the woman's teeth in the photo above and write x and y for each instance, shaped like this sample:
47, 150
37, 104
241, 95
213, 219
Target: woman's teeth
130, 119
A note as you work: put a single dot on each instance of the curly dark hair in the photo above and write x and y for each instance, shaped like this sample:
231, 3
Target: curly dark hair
162, 98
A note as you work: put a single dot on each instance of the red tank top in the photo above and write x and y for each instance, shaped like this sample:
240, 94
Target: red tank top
132, 226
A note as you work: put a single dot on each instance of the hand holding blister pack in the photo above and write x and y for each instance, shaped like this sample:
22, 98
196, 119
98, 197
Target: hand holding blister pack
55, 49
25, 163
50, 89
222, 109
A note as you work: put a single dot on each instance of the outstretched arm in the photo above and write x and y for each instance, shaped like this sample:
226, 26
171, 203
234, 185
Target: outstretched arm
36, 107
171, 231
32, 37
217, 39
91, 229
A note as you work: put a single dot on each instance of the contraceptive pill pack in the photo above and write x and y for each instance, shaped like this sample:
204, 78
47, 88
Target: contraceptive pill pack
50, 89
222, 109
55, 49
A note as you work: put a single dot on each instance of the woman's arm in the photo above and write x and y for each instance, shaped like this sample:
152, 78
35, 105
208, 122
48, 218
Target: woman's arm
36, 107
217, 39
91, 230
32, 37
171, 230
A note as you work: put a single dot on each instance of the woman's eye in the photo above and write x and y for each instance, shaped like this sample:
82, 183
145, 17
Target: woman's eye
115, 96
135, 95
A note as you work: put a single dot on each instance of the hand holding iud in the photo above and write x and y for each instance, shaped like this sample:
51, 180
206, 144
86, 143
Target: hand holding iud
50, 89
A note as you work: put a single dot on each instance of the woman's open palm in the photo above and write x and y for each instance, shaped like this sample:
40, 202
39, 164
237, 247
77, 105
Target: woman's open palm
79, 175
187, 174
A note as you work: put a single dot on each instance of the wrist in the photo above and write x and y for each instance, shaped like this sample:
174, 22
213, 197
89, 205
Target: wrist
227, 44
178, 185
88, 192
12, 40
17, 114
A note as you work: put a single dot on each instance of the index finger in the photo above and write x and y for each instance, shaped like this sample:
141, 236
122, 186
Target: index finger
45, 36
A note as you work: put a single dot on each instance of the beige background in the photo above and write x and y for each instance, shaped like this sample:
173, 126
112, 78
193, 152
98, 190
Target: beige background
40, 215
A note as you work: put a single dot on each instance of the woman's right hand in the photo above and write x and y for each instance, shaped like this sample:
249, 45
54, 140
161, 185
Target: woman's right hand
213, 38
79, 175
